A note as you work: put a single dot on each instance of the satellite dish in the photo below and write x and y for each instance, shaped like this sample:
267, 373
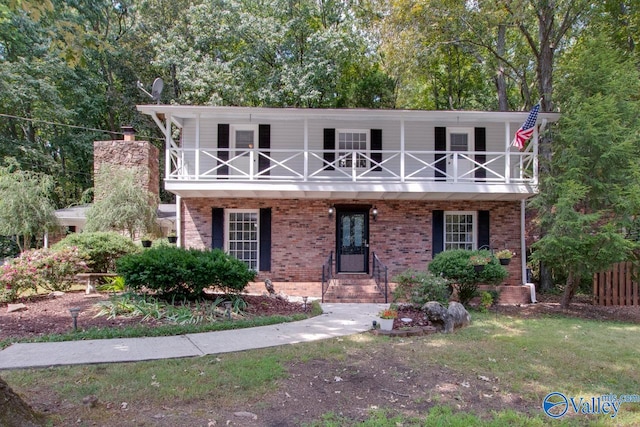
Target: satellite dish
156, 89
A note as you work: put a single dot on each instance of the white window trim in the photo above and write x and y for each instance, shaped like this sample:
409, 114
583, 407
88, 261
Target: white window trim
474, 235
470, 132
227, 214
367, 151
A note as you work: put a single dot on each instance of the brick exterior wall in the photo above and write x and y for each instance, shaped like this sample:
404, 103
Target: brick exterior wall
128, 154
303, 235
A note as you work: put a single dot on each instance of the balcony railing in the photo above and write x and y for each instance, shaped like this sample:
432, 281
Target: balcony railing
355, 166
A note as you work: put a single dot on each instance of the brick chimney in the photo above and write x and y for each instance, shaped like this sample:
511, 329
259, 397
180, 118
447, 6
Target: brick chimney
127, 153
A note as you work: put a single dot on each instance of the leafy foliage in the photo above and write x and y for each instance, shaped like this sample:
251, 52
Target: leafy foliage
41, 269
593, 192
183, 273
456, 266
123, 205
102, 249
26, 211
420, 287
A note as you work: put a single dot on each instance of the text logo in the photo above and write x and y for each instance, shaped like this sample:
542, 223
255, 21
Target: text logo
555, 404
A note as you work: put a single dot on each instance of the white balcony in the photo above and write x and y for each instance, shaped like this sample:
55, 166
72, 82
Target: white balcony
416, 175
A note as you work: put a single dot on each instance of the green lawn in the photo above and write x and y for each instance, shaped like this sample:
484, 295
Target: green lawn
528, 358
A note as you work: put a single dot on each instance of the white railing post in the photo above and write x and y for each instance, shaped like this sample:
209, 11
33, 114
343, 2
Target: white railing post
354, 159
252, 158
507, 152
455, 166
306, 150
197, 156
167, 137
402, 157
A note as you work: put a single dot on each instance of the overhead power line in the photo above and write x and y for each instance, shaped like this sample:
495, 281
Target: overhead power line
69, 126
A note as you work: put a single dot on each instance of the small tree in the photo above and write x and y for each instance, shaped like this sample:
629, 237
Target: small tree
122, 205
26, 209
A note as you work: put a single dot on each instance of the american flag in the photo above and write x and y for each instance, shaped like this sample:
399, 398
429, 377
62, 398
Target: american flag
526, 130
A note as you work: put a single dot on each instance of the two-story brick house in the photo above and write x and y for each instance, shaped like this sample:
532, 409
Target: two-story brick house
283, 189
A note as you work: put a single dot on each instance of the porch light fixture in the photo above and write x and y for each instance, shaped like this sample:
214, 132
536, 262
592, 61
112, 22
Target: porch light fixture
374, 213
74, 315
331, 211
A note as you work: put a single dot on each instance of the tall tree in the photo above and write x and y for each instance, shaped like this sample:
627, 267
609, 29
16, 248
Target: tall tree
593, 190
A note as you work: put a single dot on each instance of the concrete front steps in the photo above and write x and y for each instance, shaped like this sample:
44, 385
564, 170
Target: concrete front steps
354, 289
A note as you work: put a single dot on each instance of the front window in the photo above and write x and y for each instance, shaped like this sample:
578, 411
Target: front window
242, 236
350, 141
459, 230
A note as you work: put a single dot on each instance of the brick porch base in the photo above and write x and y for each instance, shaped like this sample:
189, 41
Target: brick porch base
510, 294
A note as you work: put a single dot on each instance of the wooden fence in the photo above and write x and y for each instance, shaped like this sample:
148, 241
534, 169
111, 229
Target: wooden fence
617, 286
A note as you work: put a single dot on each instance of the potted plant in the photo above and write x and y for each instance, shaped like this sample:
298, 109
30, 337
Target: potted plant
172, 238
386, 319
504, 256
146, 240
478, 262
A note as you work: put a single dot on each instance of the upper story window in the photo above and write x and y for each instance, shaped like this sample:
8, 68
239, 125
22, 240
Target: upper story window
350, 141
460, 139
459, 230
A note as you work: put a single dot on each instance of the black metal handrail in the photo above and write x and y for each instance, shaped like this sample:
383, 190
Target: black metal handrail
327, 274
380, 273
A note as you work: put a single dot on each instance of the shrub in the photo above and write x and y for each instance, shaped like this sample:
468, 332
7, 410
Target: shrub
102, 248
420, 287
456, 266
183, 273
41, 268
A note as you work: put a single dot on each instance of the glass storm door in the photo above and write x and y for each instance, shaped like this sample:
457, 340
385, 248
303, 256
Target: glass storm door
353, 242
459, 141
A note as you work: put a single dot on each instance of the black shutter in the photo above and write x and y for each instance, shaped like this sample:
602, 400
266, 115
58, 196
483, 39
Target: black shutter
265, 239
217, 228
264, 142
223, 142
480, 138
376, 146
483, 230
329, 144
437, 233
440, 145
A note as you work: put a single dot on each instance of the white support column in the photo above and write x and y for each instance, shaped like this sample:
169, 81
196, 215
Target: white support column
507, 151
179, 221
402, 157
168, 140
306, 149
197, 157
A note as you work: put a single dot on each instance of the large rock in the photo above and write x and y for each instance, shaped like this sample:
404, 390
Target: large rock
446, 320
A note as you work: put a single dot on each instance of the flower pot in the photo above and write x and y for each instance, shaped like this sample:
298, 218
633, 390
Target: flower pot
146, 243
386, 324
172, 239
478, 268
504, 261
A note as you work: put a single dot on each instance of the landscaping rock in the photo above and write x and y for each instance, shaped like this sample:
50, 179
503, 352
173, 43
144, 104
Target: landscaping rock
446, 320
458, 316
12, 308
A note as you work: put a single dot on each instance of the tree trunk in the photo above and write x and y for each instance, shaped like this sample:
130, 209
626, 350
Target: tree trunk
501, 86
546, 279
569, 290
14, 412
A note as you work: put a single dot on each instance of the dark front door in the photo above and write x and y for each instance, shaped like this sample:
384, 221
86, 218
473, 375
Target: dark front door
353, 241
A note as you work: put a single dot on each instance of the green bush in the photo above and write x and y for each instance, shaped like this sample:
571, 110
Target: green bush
102, 248
456, 266
183, 273
420, 287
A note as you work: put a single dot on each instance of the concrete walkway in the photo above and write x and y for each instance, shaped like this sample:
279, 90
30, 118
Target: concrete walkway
337, 320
